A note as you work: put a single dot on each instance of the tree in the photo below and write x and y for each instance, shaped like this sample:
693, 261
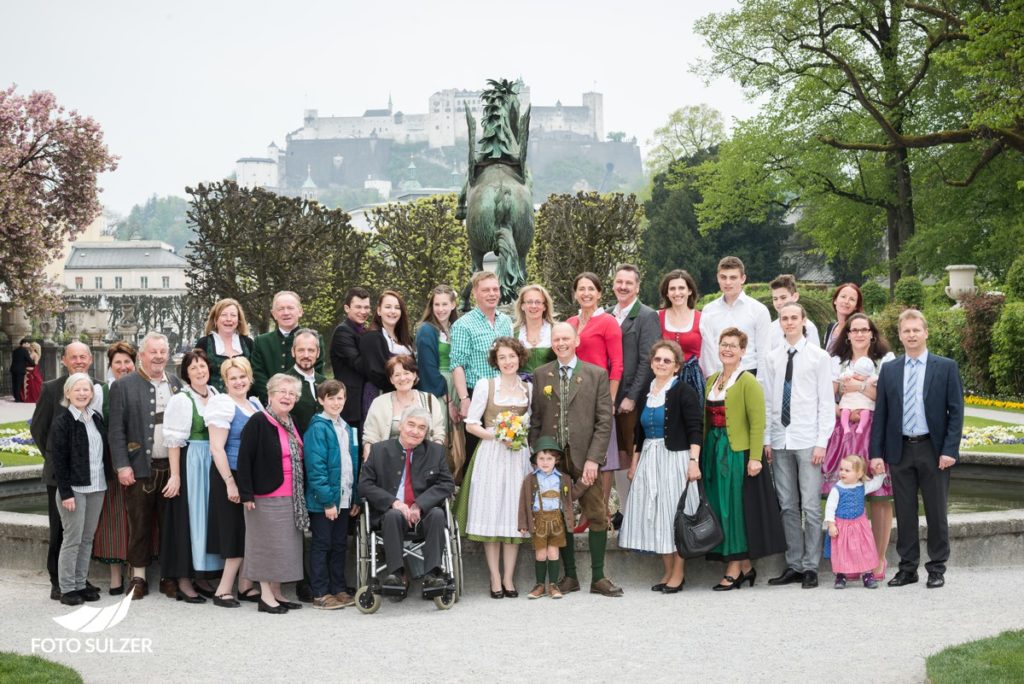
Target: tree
250, 244
416, 246
864, 81
160, 218
673, 238
616, 136
583, 232
49, 161
689, 130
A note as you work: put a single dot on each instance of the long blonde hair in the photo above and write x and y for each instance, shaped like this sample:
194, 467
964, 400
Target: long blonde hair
549, 305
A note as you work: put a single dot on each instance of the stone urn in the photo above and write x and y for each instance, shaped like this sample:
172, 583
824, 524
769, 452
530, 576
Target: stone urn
961, 282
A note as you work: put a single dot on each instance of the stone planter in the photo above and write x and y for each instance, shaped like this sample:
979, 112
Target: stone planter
961, 282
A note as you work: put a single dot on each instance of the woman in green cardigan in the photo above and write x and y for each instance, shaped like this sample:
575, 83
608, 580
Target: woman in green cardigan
738, 488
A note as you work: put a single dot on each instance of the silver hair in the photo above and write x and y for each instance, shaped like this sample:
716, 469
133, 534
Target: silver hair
278, 379
73, 380
306, 331
153, 336
415, 412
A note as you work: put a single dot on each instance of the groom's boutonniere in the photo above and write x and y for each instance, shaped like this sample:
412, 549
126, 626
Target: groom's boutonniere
548, 389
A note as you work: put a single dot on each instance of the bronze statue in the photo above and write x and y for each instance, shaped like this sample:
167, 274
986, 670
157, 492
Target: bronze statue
496, 200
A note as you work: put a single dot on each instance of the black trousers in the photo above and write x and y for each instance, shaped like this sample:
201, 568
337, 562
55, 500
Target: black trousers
919, 470
56, 534
17, 385
394, 528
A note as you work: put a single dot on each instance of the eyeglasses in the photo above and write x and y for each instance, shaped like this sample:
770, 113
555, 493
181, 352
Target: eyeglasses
286, 393
662, 359
728, 345
533, 302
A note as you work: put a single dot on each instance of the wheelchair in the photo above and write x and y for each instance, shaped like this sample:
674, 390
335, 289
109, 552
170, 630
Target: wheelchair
370, 564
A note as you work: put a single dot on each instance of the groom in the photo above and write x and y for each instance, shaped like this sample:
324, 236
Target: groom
572, 403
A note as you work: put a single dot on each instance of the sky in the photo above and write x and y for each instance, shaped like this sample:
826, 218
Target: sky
183, 89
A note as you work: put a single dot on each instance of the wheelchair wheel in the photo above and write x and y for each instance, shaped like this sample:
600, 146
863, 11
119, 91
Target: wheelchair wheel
362, 554
457, 571
366, 601
445, 600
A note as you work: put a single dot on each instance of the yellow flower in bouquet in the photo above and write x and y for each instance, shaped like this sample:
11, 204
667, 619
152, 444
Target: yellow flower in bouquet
511, 428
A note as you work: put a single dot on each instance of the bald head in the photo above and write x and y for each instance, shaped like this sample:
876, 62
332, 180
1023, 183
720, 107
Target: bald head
564, 341
77, 358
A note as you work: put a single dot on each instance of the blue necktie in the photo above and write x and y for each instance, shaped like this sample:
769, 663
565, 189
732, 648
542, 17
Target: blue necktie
787, 388
910, 399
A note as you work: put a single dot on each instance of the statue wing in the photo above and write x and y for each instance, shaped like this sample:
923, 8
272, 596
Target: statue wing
471, 126
524, 138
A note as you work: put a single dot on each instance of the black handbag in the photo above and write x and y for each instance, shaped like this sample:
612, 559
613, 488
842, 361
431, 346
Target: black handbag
699, 532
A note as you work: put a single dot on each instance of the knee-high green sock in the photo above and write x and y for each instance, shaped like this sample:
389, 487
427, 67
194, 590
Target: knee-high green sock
598, 544
569, 556
553, 570
542, 571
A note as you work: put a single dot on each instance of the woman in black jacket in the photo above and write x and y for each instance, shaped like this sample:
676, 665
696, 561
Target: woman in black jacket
388, 336
669, 433
271, 487
81, 465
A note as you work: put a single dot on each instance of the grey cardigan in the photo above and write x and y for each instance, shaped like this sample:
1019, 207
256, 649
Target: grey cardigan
132, 412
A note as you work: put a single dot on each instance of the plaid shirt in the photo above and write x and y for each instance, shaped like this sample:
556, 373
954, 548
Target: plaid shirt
472, 336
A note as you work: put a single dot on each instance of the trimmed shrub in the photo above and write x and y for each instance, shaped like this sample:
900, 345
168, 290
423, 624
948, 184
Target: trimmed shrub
909, 292
981, 313
1015, 278
875, 297
946, 333
1007, 362
888, 322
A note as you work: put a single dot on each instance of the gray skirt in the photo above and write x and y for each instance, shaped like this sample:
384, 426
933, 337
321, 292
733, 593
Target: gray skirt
273, 545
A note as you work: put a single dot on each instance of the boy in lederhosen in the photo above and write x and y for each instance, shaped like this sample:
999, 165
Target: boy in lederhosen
545, 511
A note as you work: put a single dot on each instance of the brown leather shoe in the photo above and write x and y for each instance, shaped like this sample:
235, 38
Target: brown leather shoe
605, 587
537, 591
138, 588
344, 598
168, 587
554, 592
567, 585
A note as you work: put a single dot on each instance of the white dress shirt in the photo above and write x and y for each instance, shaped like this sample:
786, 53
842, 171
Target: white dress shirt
811, 401
747, 314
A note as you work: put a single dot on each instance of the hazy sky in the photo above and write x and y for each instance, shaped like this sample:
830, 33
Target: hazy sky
185, 88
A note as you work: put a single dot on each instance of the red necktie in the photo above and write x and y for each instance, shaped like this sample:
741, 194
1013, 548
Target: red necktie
410, 497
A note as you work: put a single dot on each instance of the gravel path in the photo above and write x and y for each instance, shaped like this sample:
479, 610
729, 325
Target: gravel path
766, 634
993, 414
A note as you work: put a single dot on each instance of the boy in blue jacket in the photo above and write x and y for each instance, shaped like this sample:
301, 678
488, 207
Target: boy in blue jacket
331, 452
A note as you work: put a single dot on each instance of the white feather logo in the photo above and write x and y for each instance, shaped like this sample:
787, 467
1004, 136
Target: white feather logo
90, 620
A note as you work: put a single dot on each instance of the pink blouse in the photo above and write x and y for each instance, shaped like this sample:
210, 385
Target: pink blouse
601, 342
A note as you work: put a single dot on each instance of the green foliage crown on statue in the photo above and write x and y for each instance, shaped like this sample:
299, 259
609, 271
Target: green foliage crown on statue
499, 122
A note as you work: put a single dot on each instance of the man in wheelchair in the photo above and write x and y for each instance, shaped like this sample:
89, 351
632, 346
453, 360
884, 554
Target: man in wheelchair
406, 482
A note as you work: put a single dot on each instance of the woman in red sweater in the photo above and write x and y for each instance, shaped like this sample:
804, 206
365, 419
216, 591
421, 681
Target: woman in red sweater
601, 345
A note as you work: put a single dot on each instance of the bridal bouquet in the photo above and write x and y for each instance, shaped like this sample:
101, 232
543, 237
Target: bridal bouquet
512, 429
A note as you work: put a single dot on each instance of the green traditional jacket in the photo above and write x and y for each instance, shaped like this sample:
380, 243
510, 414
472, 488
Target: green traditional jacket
272, 353
307, 406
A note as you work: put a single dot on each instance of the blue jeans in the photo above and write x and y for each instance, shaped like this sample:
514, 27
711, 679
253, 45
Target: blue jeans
327, 552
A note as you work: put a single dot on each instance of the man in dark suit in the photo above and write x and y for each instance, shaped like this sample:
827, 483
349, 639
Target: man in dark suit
572, 403
640, 329
918, 422
76, 359
345, 359
306, 352
20, 361
406, 481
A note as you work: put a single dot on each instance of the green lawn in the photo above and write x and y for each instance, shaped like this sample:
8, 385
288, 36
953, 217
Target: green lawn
35, 670
9, 458
971, 421
992, 661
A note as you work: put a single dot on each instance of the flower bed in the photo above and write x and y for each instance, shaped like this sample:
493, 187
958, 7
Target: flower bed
974, 437
975, 400
18, 442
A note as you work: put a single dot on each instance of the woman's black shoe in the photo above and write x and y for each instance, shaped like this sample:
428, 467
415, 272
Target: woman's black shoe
226, 601
273, 610
673, 590
733, 584
511, 593
290, 605
117, 591
750, 576
203, 591
182, 596
660, 586
252, 595
498, 594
